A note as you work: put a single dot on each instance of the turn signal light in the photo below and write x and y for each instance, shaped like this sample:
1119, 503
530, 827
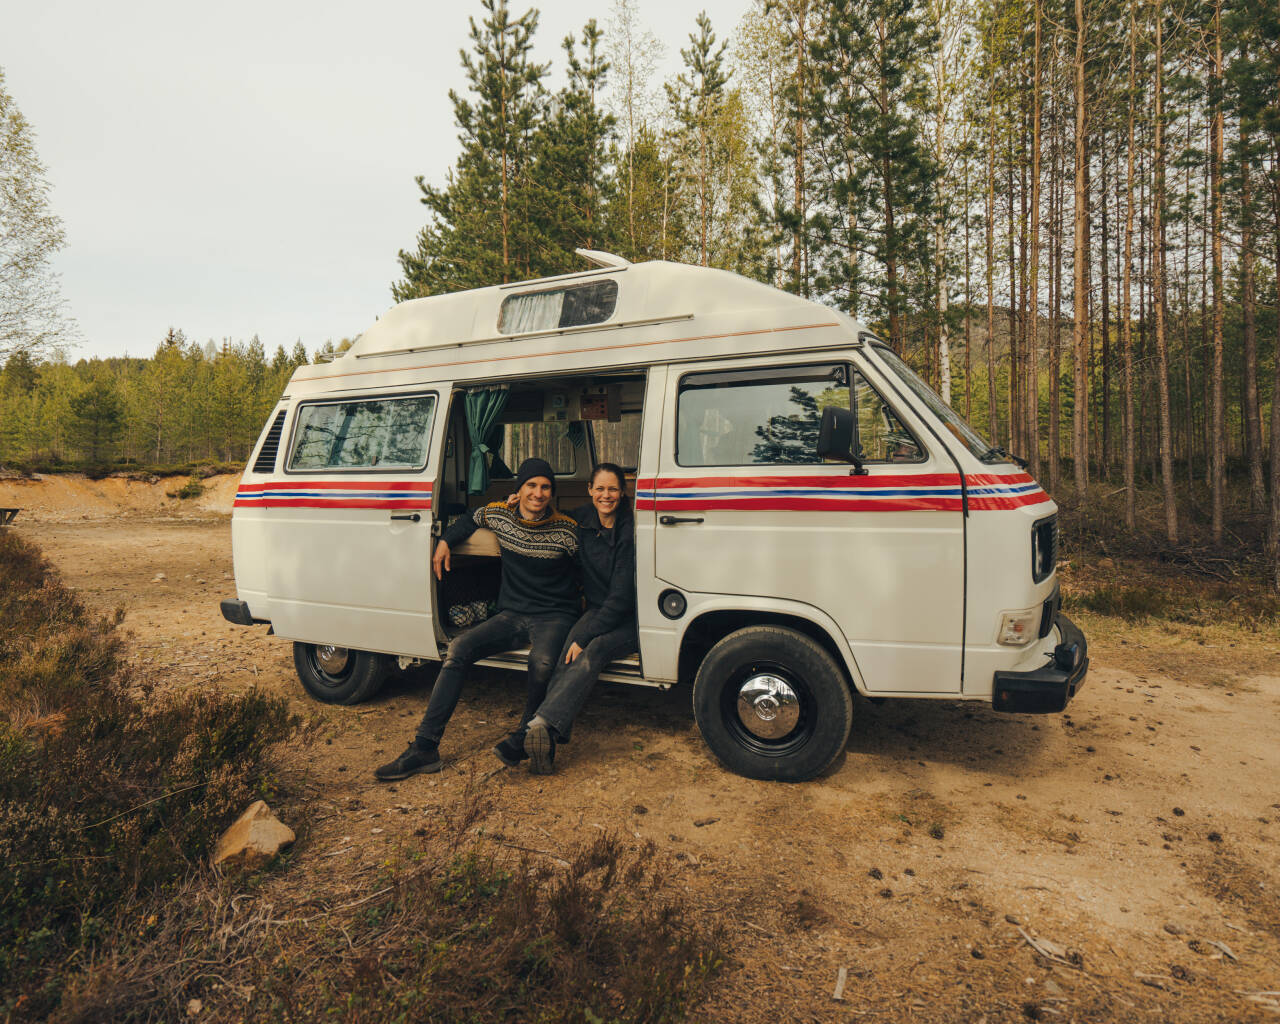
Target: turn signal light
1017, 629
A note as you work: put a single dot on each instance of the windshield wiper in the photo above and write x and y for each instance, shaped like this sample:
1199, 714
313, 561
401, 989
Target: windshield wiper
996, 452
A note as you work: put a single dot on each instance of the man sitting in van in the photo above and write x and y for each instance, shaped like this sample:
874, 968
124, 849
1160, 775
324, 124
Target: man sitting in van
537, 606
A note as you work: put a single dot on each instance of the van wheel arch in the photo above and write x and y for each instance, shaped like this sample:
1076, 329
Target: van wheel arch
709, 628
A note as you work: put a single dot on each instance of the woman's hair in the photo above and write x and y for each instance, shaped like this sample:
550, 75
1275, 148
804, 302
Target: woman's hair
610, 467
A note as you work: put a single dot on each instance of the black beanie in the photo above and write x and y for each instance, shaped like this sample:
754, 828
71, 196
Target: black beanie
535, 467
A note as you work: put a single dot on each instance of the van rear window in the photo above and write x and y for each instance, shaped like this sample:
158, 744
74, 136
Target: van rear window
363, 434
575, 306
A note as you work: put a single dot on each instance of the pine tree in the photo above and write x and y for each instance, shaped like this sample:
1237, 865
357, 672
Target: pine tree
97, 416
697, 100
571, 180
479, 231
878, 193
634, 53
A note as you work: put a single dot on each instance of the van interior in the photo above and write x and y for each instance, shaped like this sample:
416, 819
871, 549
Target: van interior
572, 422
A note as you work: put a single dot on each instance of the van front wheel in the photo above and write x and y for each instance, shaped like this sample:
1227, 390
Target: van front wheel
338, 675
772, 704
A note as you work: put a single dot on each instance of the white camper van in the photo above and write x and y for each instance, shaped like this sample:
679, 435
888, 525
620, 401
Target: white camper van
811, 519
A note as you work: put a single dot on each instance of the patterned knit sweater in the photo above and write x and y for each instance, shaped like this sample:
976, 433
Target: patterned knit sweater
539, 574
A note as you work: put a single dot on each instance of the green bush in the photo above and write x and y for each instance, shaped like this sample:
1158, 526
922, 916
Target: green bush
110, 790
193, 488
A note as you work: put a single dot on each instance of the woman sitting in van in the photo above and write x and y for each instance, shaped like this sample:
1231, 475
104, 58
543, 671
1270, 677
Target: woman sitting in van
537, 604
607, 560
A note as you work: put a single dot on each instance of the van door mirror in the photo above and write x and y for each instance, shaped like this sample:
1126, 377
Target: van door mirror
835, 437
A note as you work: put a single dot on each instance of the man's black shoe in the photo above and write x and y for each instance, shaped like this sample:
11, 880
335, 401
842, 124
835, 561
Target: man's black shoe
511, 750
540, 745
415, 759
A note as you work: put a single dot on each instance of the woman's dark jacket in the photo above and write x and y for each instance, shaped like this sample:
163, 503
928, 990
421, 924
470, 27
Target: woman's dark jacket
607, 561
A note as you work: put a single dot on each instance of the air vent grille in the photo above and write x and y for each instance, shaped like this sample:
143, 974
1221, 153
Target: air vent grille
266, 460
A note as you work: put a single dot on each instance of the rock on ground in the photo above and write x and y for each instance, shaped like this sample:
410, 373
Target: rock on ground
254, 838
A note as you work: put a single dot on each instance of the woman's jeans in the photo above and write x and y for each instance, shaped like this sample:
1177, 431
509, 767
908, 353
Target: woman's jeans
506, 631
572, 683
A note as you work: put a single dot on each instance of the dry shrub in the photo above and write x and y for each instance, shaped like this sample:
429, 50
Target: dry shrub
461, 930
109, 790
476, 936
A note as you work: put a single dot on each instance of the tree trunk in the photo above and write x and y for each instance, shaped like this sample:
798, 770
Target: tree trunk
1033, 289
1275, 384
1080, 307
1126, 295
1219, 433
1055, 313
1158, 296
1104, 447
993, 419
1252, 416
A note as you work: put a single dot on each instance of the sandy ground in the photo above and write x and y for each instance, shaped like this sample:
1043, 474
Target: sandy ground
1134, 838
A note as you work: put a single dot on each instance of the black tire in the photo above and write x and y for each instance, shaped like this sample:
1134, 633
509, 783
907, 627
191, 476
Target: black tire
334, 679
822, 710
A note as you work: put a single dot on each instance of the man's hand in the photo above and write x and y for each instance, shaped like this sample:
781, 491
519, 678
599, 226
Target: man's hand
440, 563
513, 500
572, 653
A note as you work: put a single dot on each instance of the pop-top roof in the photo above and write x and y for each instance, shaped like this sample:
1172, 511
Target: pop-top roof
612, 294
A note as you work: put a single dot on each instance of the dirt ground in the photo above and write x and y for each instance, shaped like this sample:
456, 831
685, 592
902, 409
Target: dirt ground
1133, 840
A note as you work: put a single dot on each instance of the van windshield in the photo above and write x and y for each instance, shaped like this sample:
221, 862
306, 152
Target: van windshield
954, 422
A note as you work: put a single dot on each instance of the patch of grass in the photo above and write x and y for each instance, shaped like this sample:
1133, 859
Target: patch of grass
1125, 602
1243, 603
110, 791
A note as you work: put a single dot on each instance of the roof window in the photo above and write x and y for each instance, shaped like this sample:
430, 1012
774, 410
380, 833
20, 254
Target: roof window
575, 306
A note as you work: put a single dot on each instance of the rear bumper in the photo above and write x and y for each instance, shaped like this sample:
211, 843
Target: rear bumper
238, 613
1047, 689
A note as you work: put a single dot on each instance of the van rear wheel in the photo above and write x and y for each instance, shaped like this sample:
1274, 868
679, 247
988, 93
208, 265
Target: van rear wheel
338, 675
772, 704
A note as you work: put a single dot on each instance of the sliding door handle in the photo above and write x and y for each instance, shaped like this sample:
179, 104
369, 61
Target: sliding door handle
677, 520
412, 517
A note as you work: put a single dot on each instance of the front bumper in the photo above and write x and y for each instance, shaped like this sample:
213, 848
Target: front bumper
1048, 689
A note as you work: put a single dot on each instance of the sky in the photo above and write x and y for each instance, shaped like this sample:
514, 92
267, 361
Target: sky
248, 168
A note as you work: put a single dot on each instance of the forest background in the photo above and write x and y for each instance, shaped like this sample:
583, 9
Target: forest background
1065, 214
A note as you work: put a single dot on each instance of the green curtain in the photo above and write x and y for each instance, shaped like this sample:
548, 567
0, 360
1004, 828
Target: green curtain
484, 406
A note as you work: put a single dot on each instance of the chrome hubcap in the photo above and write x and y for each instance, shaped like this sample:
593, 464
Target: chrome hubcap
768, 707
332, 660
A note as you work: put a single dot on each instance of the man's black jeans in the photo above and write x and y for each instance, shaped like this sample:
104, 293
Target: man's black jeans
506, 631
572, 683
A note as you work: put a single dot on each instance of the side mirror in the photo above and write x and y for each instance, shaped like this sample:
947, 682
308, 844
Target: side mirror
835, 437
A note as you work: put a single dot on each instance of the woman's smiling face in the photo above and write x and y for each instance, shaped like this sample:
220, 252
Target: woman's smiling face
606, 492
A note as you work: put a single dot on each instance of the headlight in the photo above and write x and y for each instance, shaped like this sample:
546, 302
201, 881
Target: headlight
1019, 628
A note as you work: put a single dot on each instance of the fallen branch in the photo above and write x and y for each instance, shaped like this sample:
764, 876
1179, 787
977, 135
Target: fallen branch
528, 849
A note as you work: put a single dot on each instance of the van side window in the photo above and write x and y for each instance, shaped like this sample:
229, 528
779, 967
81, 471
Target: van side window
367, 433
881, 435
768, 416
575, 306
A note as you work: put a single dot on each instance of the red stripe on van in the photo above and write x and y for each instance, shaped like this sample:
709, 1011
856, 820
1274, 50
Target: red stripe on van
340, 485
319, 503
991, 502
892, 481
869, 504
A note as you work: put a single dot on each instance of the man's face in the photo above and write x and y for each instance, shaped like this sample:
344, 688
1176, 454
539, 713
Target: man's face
535, 496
